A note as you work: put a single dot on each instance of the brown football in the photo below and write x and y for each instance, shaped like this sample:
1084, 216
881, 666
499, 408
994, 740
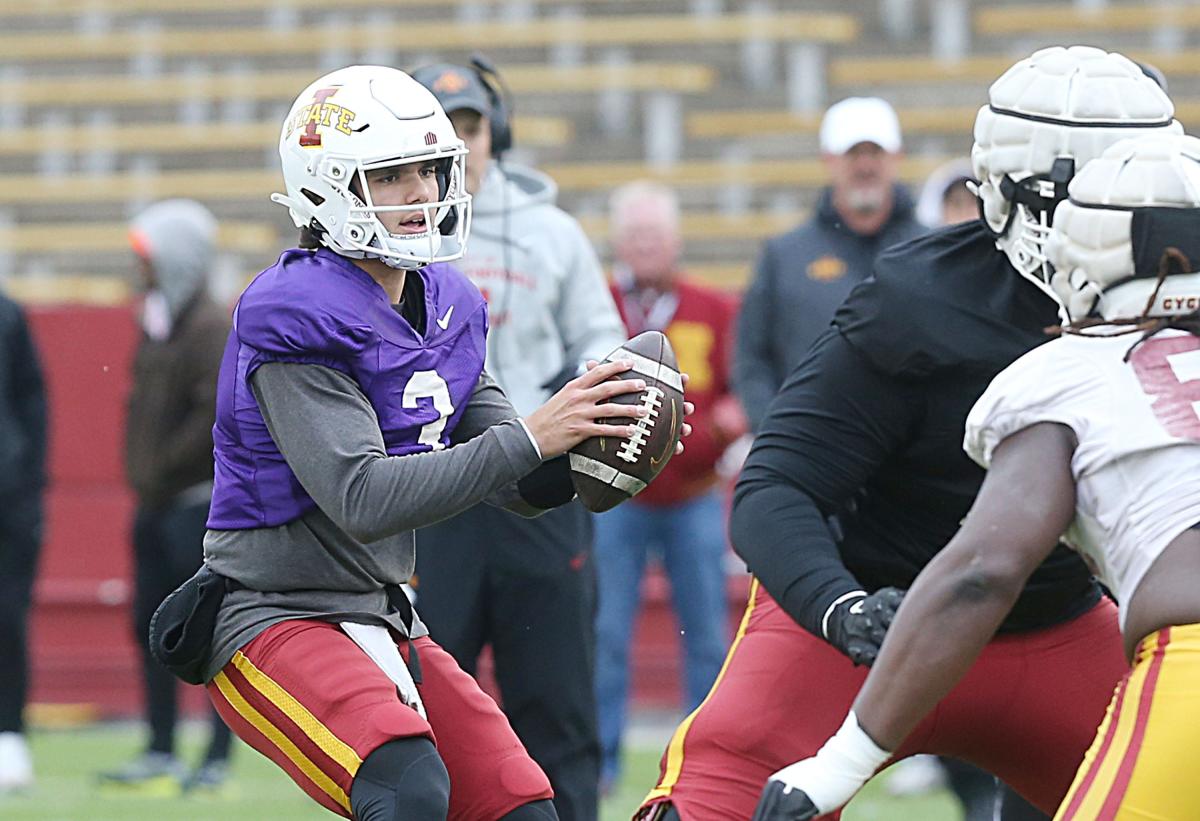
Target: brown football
606, 470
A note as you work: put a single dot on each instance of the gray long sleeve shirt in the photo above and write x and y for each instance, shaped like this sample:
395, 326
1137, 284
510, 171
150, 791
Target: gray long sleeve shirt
332, 563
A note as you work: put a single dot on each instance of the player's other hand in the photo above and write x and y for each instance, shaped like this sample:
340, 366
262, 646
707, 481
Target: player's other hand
824, 782
573, 414
857, 627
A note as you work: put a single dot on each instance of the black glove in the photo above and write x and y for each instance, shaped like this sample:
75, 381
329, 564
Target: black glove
782, 803
857, 627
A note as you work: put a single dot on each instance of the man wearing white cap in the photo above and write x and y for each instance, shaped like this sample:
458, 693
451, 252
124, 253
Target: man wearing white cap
803, 275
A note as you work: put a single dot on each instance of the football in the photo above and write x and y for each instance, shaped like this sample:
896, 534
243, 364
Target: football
605, 470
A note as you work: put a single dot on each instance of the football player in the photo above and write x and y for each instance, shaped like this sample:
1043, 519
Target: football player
868, 429
1096, 435
352, 408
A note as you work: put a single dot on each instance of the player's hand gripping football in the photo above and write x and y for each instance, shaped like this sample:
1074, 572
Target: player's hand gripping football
823, 783
576, 412
688, 407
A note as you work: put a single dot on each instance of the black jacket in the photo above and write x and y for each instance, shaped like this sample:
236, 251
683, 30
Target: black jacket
22, 405
800, 280
870, 427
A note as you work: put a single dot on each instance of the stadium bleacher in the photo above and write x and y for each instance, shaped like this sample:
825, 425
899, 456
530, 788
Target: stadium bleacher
107, 104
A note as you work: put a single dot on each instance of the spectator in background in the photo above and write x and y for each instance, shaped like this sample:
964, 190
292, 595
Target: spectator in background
169, 462
22, 481
529, 588
945, 198
802, 276
681, 515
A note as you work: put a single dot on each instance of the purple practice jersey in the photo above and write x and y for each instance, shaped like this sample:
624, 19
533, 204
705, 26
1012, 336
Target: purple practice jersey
319, 308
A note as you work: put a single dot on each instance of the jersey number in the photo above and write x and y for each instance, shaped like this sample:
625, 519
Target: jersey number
428, 385
1169, 370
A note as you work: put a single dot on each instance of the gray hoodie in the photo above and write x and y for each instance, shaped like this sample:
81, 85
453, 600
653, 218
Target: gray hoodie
180, 238
550, 309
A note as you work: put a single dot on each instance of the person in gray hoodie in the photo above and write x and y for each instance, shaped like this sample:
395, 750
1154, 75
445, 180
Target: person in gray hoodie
528, 588
169, 462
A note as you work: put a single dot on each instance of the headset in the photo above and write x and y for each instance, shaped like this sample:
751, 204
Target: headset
501, 101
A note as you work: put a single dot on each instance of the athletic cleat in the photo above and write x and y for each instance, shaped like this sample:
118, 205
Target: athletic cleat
210, 778
16, 764
153, 774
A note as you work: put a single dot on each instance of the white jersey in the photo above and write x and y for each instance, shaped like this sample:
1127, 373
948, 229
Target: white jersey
1137, 465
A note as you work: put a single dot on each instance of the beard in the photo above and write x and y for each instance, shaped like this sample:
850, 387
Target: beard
867, 199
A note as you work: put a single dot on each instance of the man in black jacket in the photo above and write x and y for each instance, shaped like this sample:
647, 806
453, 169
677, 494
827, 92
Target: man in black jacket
868, 429
22, 480
802, 276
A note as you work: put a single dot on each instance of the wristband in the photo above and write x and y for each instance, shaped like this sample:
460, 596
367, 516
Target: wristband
845, 597
838, 770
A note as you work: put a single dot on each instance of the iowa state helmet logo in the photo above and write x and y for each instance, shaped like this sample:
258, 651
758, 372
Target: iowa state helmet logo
320, 113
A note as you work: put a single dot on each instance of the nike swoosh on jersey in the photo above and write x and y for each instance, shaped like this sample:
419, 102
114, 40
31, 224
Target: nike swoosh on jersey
444, 322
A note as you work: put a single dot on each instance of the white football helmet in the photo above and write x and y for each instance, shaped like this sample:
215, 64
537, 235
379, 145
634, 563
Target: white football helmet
1126, 208
359, 119
1047, 116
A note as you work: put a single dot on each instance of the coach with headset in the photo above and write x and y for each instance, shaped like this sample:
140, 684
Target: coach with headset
525, 586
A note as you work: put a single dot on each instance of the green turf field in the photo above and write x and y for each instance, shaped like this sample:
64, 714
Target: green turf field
66, 789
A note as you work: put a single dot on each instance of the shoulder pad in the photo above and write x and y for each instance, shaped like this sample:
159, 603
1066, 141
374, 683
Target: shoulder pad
943, 300
300, 307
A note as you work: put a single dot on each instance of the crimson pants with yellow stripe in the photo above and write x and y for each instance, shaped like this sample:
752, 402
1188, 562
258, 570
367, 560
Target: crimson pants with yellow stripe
305, 696
1026, 711
1140, 765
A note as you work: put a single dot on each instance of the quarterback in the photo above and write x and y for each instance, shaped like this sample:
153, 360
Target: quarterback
352, 408
1097, 435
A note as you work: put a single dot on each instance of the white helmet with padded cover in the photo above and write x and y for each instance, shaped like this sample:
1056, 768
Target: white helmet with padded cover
1047, 116
1126, 210
360, 119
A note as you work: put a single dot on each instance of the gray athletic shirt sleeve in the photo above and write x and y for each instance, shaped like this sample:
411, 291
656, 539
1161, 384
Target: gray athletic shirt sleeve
332, 564
328, 433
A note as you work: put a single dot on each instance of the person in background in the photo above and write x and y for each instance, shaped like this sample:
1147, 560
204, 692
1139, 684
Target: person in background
529, 589
946, 198
169, 463
681, 516
22, 484
802, 276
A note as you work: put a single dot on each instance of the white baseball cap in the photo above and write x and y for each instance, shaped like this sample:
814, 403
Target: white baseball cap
857, 120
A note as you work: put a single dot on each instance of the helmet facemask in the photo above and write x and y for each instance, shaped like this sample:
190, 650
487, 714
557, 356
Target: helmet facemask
1031, 203
447, 218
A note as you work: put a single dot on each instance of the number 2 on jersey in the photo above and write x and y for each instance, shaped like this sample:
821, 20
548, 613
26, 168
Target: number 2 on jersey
428, 385
1169, 370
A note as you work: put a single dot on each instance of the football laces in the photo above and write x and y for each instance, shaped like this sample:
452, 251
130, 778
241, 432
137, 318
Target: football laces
631, 449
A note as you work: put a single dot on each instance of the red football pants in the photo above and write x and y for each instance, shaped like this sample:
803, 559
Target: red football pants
1026, 711
305, 696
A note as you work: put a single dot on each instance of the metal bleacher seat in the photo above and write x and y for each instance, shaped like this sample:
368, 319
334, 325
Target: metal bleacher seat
282, 86
1083, 18
982, 69
311, 39
226, 184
